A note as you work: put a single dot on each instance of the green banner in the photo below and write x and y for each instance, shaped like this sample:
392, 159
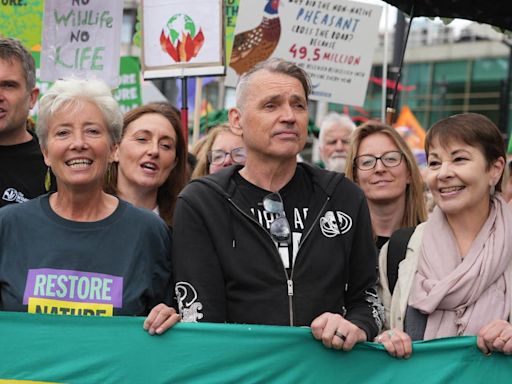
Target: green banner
22, 19
98, 349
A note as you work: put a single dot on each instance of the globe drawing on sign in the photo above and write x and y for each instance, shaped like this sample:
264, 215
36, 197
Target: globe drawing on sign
180, 38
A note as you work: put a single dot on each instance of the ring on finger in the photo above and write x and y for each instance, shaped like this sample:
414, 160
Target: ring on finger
379, 339
390, 333
340, 335
502, 339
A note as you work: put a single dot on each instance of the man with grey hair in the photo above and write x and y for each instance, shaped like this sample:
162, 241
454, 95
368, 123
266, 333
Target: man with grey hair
22, 168
335, 131
276, 241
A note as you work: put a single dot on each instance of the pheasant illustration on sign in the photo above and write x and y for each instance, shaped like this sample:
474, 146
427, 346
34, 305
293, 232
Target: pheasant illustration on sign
180, 38
258, 44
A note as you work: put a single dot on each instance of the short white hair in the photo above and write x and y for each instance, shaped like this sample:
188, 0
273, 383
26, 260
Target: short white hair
72, 92
333, 118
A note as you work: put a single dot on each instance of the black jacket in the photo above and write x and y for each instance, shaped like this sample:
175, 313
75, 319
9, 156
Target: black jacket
228, 268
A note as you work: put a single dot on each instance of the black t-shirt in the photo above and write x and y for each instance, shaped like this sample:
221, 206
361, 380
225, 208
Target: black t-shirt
22, 172
379, 243
296, 196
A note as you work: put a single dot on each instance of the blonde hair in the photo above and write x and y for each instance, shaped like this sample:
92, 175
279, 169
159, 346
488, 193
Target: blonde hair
203, 166
415, 211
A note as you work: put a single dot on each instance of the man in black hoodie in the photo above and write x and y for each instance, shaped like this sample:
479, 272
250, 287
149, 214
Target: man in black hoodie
274, 241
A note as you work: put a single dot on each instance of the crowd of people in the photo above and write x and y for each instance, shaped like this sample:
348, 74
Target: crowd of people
102, 215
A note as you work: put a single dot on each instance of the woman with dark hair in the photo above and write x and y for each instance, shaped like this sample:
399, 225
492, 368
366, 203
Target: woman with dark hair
456, 278
149, 167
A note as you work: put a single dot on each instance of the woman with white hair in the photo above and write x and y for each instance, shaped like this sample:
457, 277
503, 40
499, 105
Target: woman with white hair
80, 251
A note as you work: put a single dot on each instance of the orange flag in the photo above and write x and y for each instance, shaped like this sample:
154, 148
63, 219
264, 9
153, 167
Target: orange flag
412, 132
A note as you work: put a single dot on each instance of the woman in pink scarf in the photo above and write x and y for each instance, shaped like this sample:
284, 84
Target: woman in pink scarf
456, 278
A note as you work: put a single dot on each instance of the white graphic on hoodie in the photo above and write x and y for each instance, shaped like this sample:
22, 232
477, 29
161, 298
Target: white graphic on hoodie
188, 305
331, 227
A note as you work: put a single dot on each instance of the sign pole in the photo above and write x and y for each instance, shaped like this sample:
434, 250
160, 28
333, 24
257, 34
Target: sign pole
184, 109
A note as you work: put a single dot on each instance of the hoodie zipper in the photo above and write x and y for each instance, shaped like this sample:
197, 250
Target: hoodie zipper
289, 279
303, 238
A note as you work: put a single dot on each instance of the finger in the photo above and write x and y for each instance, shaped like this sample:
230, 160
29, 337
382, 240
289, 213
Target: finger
352, 339
402, 342
489, 341
407, 346
498, 343
399, 345
331, 326
507, 348
317, 326
152, 316
390, 347
482, 346
339, 340
161, 318
171, 321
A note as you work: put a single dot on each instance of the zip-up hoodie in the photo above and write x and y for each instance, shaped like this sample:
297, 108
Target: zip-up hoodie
228, 268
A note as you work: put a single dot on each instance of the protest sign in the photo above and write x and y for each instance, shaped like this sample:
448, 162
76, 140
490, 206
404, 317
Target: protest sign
22, 19
182, 38
128, 94
82, 38
231, 12
333, 40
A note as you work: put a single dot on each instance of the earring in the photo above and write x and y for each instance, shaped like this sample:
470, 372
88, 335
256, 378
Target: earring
492, 190
48, 180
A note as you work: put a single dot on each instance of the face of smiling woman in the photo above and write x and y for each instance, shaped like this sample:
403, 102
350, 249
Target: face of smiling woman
382, 184
78, 149
460, 178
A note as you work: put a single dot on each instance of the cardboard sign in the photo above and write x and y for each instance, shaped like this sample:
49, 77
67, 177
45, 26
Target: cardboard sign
334, 41
182, 38
82, 38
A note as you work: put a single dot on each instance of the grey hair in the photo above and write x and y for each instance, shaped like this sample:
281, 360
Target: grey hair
343, 121
12, 49
72, 92
273, 65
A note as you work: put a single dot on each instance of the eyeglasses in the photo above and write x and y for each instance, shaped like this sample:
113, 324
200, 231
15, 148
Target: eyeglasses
280, 227
218, 156
389, 159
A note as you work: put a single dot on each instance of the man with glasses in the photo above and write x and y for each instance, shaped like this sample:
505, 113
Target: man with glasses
334, 139
276, 241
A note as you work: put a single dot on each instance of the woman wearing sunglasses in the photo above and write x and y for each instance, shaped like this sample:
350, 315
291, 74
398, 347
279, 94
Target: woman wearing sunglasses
382, 164
222, 148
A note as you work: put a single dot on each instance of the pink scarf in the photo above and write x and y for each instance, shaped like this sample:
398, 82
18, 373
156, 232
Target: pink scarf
462, 295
